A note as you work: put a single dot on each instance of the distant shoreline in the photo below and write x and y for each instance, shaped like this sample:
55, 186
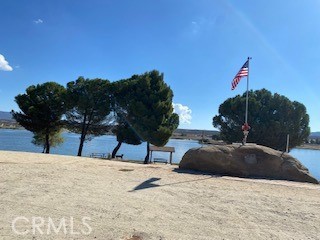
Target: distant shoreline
309, 146
198, 137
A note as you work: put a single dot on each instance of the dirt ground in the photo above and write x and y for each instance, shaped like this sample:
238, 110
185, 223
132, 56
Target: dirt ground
62, 197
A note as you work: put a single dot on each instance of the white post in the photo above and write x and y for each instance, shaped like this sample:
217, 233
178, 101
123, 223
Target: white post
247, 95
246, 132
287, 148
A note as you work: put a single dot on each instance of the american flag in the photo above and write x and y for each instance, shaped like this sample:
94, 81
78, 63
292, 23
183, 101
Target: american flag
242, 73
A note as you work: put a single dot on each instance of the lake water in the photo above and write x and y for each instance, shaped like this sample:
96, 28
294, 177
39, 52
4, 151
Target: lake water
20, 140
309, 158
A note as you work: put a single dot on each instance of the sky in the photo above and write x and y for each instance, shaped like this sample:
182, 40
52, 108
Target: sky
199, 45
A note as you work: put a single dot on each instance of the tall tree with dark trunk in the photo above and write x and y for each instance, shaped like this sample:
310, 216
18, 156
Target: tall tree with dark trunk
88, 108
42, 107
271, 117
146, 103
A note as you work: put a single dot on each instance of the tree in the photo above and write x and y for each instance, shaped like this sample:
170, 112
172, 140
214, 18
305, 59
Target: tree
125, 134
88, 108
146, 102
271, 117
55, 139
122, 129
42, 107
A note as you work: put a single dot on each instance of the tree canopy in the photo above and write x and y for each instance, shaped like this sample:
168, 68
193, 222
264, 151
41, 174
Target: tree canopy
142, 108
88, 108
146, 103
42, 107
271, 117
124, 134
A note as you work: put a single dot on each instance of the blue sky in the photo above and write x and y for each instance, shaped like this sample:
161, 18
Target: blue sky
199, 45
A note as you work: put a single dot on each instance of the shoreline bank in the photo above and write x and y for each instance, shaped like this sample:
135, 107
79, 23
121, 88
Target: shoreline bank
309, 146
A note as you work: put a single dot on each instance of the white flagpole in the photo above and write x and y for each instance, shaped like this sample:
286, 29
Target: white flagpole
247, 97
246, 131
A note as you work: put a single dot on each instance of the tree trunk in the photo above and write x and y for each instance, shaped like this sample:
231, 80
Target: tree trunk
115, 150
146, 159
47, 143
84, 131
83, 136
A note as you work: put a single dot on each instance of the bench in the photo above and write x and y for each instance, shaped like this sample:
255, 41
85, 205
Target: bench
163, 160
98, 155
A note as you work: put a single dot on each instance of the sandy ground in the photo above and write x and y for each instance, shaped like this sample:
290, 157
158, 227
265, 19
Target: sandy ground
135, 201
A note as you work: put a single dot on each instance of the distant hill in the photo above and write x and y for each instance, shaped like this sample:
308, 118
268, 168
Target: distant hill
6, 116
314, 135
196, 132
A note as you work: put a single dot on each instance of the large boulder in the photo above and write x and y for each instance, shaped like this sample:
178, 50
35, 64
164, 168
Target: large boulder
246, 161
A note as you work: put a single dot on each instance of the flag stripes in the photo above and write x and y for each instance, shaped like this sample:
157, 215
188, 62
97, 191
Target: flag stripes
242, 73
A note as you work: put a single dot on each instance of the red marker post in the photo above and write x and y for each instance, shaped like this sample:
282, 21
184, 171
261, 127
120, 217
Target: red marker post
245, 129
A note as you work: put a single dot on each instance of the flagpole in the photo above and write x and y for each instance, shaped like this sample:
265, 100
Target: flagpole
247, 97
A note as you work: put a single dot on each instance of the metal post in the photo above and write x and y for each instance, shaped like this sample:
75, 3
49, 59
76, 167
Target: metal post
287, 148
247, 97
246, 131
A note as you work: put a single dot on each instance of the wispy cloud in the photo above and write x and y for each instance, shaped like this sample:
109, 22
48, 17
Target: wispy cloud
38, 21
205, 24
195, 26
184, 113
4, 65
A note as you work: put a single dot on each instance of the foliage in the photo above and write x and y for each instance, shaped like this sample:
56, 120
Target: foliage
146, 102
41, 109
142, 108
125, 134
55, 139
88, 108
123, 130
271, 117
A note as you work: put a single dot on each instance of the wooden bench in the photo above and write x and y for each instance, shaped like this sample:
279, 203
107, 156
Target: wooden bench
161, 149
163, 160
98, 155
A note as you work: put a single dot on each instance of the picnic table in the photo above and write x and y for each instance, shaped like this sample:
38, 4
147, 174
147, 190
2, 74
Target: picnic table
161, 149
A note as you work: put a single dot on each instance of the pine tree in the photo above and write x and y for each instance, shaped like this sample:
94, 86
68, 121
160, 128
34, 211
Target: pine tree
88, 108
271, 117
146, 103
42, 107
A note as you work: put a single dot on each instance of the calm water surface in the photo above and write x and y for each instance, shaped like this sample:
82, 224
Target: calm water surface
20, 140
310, 159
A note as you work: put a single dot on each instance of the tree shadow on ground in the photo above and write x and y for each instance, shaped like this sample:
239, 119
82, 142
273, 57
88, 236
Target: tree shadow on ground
150, 182
147, 184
